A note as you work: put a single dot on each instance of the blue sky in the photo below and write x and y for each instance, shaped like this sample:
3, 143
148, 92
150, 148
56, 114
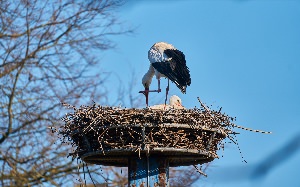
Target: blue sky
242, 55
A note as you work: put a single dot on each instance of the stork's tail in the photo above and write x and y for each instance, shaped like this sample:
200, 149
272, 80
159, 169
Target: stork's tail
183, 89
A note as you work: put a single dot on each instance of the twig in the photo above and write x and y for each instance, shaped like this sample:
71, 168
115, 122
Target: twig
199, 171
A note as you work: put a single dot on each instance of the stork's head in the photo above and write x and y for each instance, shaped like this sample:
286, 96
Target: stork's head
175, 101
146, 81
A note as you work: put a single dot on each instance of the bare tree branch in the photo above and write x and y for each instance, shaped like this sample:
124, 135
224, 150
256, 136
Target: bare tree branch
48, 55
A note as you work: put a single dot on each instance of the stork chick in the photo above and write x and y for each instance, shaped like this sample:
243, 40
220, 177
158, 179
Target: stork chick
175, 103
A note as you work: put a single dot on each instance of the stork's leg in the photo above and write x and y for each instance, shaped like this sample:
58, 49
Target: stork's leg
167, 91
158, 83
146, 91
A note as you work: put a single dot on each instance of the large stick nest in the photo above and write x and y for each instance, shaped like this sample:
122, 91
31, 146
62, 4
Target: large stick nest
100, 129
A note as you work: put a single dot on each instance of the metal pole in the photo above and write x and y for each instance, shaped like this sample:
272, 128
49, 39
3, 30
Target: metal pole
148, 171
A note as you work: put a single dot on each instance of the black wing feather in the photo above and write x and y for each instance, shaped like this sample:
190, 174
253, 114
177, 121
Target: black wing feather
175, 69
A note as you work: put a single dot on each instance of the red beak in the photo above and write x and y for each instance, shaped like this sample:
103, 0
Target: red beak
146, 93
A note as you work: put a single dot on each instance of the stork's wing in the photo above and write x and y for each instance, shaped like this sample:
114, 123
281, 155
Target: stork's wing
175, 69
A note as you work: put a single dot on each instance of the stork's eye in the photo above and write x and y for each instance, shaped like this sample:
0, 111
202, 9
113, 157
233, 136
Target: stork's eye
178, 100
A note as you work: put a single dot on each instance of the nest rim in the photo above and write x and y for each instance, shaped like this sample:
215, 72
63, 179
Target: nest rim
175, 156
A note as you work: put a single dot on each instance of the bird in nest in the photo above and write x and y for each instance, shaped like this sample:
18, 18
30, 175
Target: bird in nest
175, 103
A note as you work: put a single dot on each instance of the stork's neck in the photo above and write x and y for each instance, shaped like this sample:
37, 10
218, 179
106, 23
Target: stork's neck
150, 72
148, 76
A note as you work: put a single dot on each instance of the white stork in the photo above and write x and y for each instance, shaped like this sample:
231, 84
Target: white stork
166, 61
175, 103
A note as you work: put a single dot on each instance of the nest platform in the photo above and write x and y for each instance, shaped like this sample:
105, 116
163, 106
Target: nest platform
110, 136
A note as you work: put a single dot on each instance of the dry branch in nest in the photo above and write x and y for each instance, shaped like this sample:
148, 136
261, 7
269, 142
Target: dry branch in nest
99, 128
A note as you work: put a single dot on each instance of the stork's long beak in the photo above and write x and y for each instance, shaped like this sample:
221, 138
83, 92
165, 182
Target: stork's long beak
146, 93
180, 105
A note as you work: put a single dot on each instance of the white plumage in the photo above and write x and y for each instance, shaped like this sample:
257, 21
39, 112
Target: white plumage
156, 54
175, 103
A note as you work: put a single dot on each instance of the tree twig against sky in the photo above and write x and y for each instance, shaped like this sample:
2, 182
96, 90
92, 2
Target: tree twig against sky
47, 52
